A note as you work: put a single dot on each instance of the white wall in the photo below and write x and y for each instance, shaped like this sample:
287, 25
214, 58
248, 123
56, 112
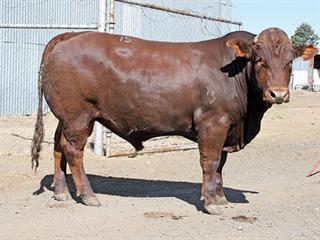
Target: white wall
300, 78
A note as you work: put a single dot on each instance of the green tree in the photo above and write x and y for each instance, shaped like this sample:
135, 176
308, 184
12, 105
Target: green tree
304, 34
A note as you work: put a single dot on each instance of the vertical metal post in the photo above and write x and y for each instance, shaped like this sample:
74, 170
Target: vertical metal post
102, 15
98, 128
108, 143
111, 24
112, 16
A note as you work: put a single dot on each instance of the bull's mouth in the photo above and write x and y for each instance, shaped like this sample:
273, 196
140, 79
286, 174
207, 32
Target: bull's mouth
276, 95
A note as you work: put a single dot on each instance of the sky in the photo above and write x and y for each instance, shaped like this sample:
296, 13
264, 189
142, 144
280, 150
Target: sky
257, 15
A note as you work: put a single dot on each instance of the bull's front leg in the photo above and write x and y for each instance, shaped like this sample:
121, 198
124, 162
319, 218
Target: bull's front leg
212, 135
221, 200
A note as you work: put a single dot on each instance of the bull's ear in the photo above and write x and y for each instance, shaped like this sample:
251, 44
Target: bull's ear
305, 51
241, 48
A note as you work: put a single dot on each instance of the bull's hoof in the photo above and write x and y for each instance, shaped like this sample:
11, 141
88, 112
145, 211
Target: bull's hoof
213, 209
91, 201
221, 200
64, 196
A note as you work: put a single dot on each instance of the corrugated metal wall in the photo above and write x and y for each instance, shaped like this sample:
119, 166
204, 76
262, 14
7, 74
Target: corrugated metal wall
21, 48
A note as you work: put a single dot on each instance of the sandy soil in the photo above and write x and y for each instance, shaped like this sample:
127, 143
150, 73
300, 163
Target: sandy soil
156, 196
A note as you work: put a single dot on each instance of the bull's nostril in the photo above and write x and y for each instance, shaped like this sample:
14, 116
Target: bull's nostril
272, 94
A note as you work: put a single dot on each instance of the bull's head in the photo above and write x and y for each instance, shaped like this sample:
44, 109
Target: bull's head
271, 55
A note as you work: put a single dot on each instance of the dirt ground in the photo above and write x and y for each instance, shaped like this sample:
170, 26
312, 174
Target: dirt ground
156, 196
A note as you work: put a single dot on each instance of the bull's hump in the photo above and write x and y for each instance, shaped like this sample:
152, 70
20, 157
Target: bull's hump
272, 36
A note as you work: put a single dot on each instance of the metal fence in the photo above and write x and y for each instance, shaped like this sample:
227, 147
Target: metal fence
26, 27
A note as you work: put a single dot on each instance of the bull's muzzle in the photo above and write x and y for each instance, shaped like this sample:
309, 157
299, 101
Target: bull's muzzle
277, 95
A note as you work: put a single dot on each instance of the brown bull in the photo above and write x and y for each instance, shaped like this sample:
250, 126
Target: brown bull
213, 92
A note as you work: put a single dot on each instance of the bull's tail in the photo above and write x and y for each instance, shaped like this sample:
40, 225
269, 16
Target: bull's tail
38, 131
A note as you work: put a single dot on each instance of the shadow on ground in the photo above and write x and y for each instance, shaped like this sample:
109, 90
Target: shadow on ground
143, 188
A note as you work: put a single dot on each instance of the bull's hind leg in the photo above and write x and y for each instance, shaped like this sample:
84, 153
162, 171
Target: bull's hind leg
61, 191
212, 135
73, 140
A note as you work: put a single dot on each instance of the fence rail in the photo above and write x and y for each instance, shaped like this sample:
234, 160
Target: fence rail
48, 26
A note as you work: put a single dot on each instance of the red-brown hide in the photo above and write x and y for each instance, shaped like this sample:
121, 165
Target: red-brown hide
214, 92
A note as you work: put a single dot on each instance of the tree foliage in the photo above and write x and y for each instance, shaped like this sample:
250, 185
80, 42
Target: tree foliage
304, 34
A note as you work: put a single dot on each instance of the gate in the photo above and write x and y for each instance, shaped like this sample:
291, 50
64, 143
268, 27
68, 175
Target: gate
173, 21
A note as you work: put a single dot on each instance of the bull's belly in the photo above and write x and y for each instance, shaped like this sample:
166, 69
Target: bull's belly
136, 131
